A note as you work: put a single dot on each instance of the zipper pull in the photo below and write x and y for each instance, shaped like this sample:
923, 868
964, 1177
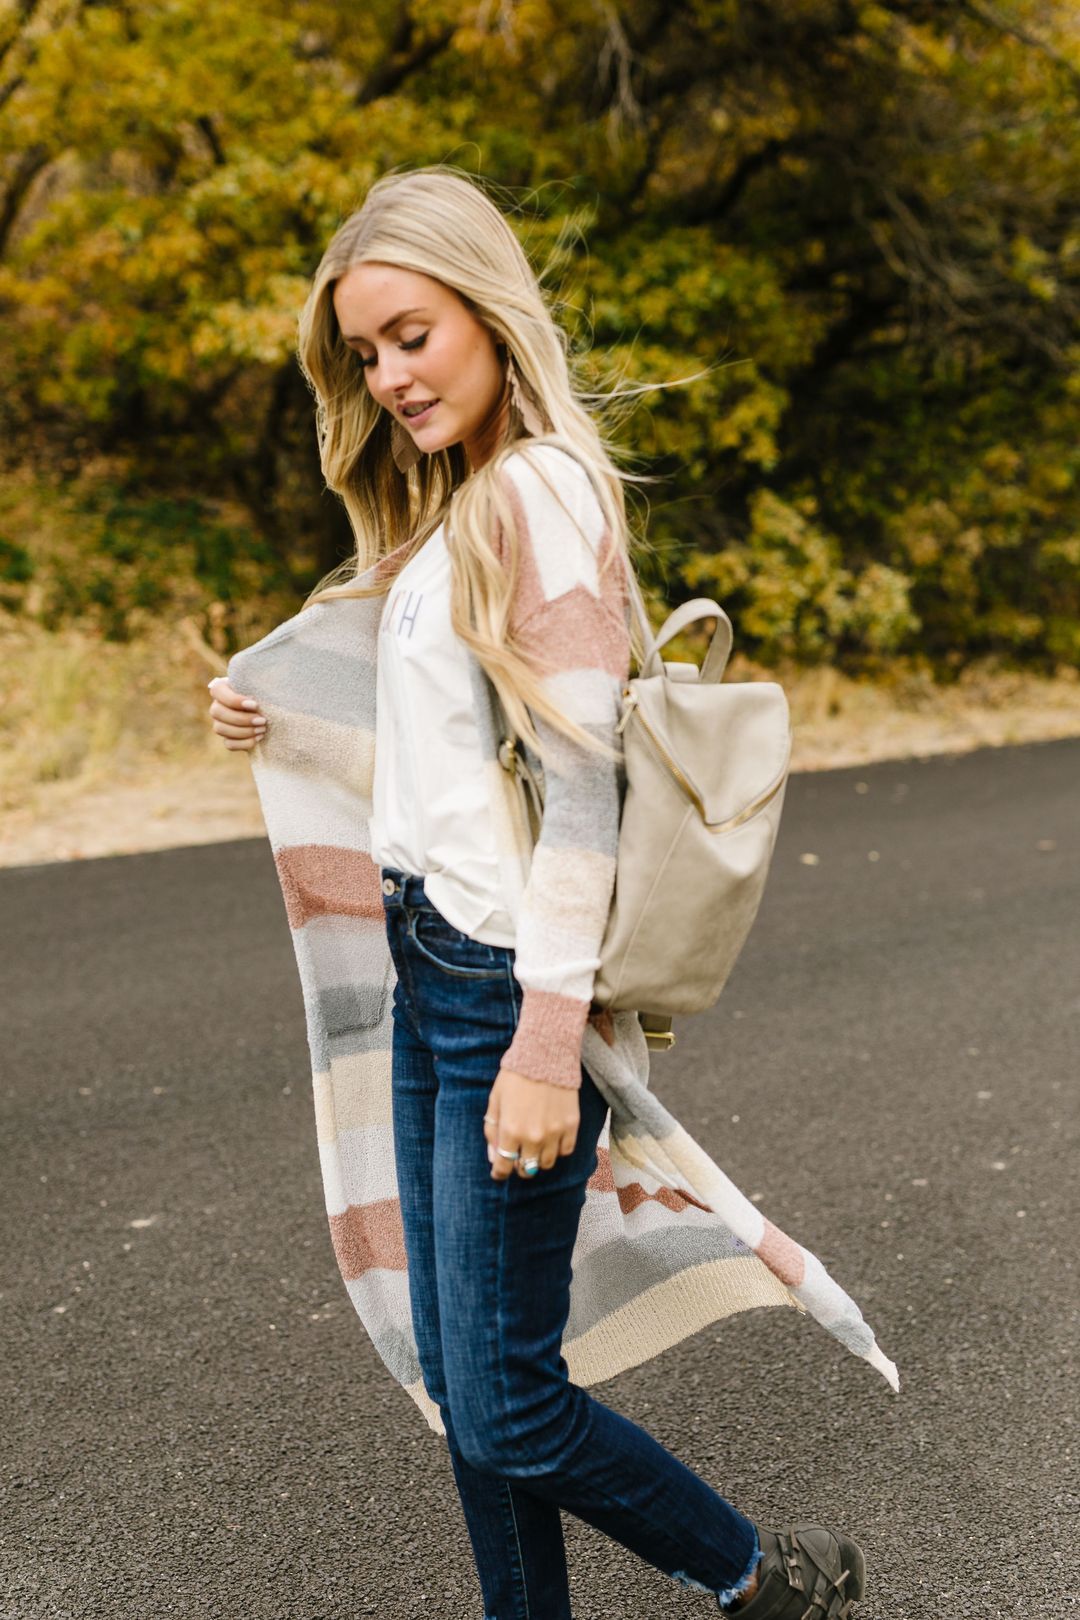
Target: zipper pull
629, 705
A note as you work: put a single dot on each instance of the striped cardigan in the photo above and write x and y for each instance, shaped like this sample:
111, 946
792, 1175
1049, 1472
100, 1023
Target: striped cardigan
666, 1244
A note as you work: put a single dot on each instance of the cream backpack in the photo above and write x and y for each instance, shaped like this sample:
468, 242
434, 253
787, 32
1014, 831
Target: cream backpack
706, 771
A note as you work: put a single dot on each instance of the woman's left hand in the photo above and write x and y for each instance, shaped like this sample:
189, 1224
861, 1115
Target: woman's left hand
533, 1118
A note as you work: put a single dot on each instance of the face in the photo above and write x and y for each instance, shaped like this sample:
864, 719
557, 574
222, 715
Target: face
421, 346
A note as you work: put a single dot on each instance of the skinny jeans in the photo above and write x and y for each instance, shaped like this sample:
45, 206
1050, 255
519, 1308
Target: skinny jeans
489, 1268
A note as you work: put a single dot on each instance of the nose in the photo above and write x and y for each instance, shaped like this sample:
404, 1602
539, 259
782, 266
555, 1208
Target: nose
394, 378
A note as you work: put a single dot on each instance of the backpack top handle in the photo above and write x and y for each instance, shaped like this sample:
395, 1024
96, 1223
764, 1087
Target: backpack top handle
719, 650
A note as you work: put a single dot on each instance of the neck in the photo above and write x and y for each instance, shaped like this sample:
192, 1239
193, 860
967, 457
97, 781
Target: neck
484, 443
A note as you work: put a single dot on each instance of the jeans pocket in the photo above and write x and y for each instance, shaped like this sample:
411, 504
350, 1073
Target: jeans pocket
445, 947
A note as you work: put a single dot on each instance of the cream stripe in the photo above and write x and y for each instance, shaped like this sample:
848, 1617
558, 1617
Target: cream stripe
590, 696
699, 1173
306, 744
663, 1316
426, 1405
358, 1168
354, 1093
326, 817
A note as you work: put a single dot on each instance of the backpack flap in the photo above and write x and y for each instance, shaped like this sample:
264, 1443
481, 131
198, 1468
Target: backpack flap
727, 747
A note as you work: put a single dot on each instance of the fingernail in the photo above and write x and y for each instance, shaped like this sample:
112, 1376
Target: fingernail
491, 1154
250, 703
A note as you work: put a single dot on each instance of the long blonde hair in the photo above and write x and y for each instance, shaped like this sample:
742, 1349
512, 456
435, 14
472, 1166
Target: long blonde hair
437, 221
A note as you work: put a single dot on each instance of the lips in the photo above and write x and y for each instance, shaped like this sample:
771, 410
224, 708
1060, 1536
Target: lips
411, 414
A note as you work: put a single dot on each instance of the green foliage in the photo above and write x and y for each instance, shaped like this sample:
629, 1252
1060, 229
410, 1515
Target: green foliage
112, 560
853, 225
790, 593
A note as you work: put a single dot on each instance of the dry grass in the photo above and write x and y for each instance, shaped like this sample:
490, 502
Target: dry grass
105, 748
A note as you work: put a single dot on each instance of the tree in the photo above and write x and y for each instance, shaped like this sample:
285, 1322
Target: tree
858, 215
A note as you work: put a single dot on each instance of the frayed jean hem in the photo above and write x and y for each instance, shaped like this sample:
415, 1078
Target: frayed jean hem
727, 1594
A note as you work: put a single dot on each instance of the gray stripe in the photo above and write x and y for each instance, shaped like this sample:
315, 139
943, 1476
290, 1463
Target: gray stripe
581, 810
485, 706
350, 1008
612, 1276
339, 687
348, 1040
396, 1348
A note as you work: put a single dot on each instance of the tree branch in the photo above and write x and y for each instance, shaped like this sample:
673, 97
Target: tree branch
205, 124
403, 57
29, 166
990, 17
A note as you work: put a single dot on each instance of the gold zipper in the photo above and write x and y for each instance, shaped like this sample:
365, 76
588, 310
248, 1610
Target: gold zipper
684, 781
688, 787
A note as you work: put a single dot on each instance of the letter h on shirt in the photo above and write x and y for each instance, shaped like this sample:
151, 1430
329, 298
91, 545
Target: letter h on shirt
402, 623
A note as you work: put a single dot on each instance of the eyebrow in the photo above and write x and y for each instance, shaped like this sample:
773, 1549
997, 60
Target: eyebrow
386, 325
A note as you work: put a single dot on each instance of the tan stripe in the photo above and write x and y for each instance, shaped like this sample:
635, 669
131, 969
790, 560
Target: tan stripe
355, 1092
321, 880
368, 1235
304, 743
511, 832
670, 1312
426, 1405
571, 895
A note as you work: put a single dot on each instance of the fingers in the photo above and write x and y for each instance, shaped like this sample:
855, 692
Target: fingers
546, 1152
527, 1122
236, 719
227, 696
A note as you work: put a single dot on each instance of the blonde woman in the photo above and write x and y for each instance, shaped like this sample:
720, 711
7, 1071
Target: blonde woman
491, 569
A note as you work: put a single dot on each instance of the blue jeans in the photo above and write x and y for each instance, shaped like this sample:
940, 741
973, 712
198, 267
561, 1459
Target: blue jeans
489, 1288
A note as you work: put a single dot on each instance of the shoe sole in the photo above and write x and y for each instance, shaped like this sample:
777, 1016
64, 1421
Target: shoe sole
851, 1558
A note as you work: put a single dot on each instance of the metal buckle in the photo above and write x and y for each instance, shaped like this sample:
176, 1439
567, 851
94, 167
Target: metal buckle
659, 1040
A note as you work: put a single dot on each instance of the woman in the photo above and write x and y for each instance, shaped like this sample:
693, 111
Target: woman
492, 570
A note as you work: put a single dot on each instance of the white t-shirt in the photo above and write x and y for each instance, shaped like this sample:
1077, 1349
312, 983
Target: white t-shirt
431, 813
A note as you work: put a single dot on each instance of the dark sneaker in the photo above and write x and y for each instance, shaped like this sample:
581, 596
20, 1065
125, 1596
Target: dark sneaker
807, 1572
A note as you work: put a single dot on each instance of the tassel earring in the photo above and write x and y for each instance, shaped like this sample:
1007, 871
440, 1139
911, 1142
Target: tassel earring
403, 447
519, 399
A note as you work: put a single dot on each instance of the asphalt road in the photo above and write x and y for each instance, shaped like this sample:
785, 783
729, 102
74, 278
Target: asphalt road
193, 1422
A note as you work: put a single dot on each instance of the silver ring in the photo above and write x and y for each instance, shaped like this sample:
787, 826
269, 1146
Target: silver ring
505, 1153
489, 1119
530, 1166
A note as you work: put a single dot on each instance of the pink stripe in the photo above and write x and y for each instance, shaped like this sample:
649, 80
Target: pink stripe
603, 1023
781, 1255
633, 1193
576, 631
529, 596
369, 1235
321, 880
547, 1042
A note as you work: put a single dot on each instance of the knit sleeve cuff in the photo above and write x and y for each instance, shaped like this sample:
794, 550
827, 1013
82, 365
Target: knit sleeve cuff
547, 1041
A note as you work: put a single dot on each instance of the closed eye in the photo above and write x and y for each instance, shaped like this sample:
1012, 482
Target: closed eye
414, 343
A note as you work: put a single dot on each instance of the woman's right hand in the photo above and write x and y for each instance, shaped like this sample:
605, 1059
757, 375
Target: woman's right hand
236, 719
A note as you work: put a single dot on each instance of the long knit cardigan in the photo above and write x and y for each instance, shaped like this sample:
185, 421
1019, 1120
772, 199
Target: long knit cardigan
666, 1244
